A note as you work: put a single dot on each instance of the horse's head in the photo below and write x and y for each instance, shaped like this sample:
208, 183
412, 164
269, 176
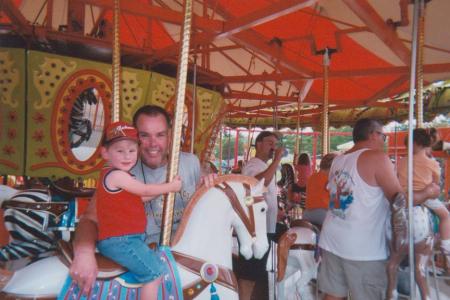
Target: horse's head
234, 201
260, 244
250, 217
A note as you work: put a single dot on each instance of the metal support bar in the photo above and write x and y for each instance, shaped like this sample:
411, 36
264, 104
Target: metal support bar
410, 147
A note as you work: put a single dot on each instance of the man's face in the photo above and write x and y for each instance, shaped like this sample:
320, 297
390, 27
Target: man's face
380, 137
154, 136
266, 148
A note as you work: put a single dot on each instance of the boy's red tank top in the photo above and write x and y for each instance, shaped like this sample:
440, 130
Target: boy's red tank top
119, 212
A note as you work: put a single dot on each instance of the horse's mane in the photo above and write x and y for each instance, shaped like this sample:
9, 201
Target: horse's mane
199, 193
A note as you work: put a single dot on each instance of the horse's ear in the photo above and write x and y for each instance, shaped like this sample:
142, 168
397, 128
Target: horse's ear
259, 188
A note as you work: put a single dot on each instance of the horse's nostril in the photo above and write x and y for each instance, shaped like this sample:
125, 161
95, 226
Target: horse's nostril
263, 209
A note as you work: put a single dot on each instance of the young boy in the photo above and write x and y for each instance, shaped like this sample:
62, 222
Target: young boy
121, 215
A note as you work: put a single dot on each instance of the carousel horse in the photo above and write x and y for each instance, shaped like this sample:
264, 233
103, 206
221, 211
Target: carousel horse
201, 247
297, 261
80, 127
423, 245
33, 218
286, 181
290, 201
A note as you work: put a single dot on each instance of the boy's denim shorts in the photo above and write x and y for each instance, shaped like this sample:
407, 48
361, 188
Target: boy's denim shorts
131, 252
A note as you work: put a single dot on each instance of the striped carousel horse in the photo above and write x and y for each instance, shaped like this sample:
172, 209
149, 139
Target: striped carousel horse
201, 251
423, 239
36, 219
80, 127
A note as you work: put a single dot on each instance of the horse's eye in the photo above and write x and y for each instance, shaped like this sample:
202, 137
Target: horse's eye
263, 209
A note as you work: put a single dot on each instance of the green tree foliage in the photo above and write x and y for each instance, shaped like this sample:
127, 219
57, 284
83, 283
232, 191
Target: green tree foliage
228, 142
288, 140
336, 140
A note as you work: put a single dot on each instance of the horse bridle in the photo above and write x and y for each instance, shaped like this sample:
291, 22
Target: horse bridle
249, 222
224, 276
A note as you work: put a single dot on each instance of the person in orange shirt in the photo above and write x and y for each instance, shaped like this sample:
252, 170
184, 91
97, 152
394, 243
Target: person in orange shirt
425, 171
317, 195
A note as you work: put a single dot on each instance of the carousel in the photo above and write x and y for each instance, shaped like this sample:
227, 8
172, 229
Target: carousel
68, 68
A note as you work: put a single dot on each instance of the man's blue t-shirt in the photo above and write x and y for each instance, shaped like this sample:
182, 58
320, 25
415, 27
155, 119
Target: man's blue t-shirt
189, 171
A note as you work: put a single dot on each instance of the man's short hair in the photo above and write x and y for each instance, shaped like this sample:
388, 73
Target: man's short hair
363, 128
264, 134
152, 111
327, 160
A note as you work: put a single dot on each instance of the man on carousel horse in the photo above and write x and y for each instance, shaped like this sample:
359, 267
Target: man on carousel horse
362, 183
154, 131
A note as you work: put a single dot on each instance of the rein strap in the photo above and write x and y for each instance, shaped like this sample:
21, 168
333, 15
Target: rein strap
249, 224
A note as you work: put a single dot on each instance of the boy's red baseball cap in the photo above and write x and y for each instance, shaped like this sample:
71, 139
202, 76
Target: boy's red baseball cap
120, 131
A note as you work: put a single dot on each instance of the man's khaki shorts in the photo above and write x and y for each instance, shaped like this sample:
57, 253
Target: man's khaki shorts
364, 280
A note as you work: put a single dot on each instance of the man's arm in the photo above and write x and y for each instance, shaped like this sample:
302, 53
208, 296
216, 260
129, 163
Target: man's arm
268, 173
387, 179
431, 191
385, 175
84, 269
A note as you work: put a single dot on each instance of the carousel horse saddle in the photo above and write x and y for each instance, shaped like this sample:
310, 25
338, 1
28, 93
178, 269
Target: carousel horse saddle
287, 242
109, 269
66, 188
116, 282
106, 267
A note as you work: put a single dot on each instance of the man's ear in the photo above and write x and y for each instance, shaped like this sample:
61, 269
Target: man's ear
256, 145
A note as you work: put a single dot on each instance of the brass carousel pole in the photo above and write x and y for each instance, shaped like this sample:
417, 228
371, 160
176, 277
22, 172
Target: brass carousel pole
419, 67
297, 137
220, 149
177, 124
116, 62
275, 112
249, 140
194, 100
325, 132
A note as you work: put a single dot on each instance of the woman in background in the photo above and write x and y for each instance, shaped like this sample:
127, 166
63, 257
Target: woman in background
317, 195
304, 171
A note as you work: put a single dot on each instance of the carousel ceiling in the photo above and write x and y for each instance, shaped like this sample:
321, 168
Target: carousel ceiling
259, 54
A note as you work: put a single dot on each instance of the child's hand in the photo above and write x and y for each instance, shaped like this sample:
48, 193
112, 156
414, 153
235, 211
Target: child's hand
175, 184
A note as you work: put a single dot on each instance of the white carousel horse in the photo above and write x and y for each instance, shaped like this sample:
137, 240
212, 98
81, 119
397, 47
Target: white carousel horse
202, 245
297, 263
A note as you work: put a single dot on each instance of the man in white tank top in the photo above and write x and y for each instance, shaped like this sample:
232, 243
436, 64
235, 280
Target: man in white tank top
361, 183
